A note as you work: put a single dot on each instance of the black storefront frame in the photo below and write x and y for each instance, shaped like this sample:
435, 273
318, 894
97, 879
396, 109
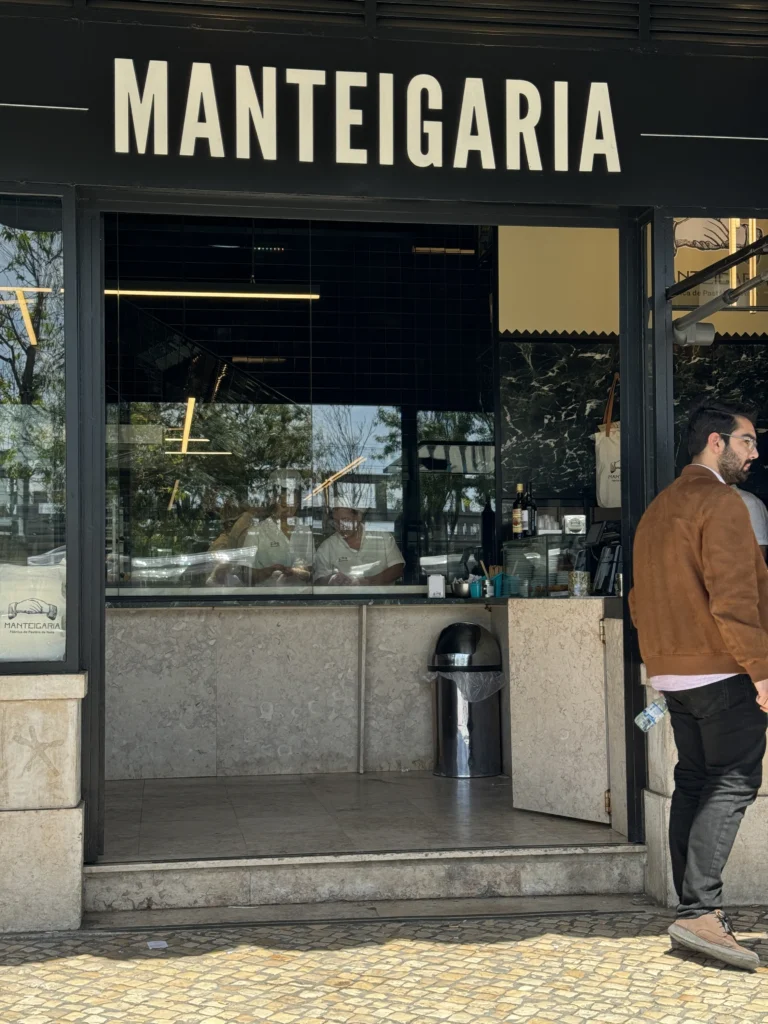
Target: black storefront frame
82, 218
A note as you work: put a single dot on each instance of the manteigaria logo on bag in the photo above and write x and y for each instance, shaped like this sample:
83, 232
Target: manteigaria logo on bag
32, 616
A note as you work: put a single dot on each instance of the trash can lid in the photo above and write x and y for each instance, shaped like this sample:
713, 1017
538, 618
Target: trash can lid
466, 647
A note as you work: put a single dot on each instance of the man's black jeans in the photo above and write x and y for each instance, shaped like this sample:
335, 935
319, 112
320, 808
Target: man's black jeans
720, 735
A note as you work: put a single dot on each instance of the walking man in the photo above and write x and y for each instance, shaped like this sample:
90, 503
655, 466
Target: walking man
700, 605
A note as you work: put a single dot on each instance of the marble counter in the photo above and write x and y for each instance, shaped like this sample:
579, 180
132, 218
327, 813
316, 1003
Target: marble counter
267, 690
272, 689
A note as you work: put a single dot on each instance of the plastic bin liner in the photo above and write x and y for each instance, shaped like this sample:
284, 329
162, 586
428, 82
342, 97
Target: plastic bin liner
475, 686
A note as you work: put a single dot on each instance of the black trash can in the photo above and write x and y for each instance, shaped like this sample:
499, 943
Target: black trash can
467, 732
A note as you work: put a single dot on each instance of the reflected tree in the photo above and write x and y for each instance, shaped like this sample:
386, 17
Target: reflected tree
32, 392
213, 490
445, 494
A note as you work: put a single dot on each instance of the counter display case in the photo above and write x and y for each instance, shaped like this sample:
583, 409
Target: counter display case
542, 564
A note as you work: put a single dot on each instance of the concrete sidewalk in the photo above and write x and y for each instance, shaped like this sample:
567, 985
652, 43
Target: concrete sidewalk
560, 966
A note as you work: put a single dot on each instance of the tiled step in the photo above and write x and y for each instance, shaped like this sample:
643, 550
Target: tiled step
444, 874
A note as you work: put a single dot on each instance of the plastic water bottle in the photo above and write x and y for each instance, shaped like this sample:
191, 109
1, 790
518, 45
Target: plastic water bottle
654, 713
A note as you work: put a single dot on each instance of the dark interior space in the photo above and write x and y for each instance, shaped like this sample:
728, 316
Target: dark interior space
402, 316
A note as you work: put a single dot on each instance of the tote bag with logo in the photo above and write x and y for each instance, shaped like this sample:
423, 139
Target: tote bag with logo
608, 456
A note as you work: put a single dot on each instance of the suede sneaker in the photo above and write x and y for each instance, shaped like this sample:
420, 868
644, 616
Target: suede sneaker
712, 935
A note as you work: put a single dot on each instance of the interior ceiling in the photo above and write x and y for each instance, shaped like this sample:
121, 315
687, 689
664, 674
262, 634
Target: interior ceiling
392, 325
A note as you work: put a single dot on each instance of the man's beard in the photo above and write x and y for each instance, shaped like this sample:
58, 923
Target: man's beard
732, 468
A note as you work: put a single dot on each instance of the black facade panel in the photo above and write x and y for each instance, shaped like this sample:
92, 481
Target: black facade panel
348, 12
616, 19
740, 22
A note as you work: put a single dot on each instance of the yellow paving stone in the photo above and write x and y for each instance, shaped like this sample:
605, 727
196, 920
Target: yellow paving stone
602, 969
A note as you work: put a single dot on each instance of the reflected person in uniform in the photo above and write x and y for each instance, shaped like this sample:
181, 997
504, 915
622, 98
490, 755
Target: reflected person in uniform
274, 550
355, 556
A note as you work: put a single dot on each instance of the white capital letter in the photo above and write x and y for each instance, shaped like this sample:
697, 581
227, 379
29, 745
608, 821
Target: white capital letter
306, 81
522, 127
201, 94
386, 119
132, 105
416, 128
250, 111
474, 111
599, 117
561, 126
347, 116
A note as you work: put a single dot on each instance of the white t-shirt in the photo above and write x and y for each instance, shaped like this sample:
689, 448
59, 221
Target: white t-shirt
758, 513
378, 551
265, 544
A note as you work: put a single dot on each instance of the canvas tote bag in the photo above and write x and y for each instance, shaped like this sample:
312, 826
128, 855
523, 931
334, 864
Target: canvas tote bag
608, 456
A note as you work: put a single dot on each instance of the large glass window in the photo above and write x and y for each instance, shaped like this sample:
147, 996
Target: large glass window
32, 434
267, 383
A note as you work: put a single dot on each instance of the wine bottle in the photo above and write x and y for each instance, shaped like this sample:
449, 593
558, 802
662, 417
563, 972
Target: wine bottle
533, 512
518, 529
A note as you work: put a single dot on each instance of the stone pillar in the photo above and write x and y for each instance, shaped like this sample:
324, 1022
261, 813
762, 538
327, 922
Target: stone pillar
744, 874
41, 813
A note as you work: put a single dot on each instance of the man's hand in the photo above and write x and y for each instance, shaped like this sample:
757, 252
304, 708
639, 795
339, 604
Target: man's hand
762, 694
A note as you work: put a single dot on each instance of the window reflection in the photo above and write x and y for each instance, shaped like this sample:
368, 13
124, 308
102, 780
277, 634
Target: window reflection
735, 365
359, 495
270, 543
456, 483
32, 433
263, 381
701, 241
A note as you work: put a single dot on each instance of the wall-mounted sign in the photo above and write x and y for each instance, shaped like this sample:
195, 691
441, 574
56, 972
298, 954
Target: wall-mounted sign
269, 113
142, 123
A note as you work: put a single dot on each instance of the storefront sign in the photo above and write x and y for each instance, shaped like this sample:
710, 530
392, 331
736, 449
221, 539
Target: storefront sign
141, 116
252, 112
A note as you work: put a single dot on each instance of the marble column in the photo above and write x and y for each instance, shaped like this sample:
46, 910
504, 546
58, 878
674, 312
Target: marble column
41, 814
744, 874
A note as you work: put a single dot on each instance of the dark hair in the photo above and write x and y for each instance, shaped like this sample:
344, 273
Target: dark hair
708, 416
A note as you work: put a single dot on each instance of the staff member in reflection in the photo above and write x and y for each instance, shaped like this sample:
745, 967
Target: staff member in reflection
275, 549
354, 556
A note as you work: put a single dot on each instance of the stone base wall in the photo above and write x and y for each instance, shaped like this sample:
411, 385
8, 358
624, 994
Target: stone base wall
41, 814
744, 881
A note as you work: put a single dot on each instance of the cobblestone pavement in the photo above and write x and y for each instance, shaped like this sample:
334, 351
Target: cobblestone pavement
612, 969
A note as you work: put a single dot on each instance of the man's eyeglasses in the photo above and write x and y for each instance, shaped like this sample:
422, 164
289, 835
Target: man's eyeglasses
748, 439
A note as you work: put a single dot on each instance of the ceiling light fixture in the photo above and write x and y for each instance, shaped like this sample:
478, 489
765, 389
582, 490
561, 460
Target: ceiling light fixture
733, 227
173, 294
438, 250
25, 288
185, 439
258, 248
332, 479
21, 302
174, 492
752, 237
258, 360
187, 424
